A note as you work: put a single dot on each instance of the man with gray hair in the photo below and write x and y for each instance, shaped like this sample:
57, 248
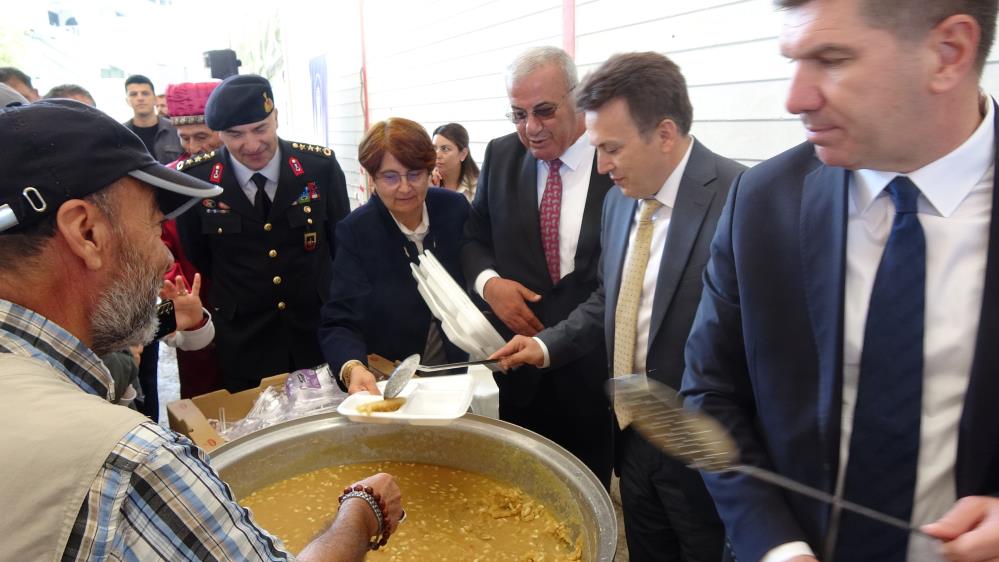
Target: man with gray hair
532, 247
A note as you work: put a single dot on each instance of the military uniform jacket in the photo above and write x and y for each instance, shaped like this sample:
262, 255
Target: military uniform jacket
268, 278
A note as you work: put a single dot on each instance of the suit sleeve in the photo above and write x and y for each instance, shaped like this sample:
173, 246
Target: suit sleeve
477, 241
583, 329
196, 246
717, 381
337, 203
341, 324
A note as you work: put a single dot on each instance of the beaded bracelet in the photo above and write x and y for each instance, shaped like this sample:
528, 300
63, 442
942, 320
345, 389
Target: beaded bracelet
377, 505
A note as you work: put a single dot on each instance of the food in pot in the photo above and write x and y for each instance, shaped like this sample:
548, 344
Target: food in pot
451, 514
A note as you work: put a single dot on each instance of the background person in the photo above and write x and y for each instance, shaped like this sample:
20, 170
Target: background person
455, 168
156, 132
72, 92
374, 305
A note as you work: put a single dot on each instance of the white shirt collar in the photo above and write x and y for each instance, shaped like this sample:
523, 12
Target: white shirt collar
945, 182
271, 171
667, 193
578, 154
421, 230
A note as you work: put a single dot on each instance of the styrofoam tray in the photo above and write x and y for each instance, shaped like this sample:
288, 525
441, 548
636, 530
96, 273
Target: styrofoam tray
429, 401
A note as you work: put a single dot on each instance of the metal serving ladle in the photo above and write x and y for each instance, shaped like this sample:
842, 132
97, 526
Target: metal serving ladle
701, 443
409, 366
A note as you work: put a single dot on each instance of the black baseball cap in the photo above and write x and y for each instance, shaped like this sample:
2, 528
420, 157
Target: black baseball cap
239, 100
55, 150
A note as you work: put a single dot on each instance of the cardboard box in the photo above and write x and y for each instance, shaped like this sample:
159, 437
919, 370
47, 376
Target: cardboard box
190, 416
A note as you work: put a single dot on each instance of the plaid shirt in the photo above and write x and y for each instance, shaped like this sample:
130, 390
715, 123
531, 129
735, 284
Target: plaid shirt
156, 497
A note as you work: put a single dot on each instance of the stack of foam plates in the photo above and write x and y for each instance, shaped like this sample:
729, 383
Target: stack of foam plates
462, 322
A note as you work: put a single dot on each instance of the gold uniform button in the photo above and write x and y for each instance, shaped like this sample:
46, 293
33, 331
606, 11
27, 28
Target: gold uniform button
272, 253
268, 227
220, 230
308, 221
307, 209
282, 306
277, 279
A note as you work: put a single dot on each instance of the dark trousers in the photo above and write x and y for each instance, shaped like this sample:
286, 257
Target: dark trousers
668, 513
148, 367
580, 423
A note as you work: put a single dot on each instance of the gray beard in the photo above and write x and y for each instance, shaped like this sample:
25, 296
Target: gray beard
125, 314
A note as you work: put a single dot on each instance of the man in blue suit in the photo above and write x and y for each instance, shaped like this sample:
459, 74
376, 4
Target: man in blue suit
670, 187
846, 335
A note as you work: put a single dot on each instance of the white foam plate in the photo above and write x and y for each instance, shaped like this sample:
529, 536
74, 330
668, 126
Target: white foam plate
429, 401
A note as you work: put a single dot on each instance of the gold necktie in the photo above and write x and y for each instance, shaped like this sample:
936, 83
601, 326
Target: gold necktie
628, 298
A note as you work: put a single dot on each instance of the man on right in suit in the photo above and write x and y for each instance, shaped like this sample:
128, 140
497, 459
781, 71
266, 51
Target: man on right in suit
657, 226
847, 333
531, 249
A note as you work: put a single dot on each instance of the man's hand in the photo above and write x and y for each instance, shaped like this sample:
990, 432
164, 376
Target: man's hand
186, 304
507, 299
362, 379
347, 538
969, 531
518, 351
385, 486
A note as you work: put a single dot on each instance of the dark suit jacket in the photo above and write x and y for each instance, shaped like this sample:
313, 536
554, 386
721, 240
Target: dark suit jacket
374, 305
268, 278
765, 353
503, 233
699, 201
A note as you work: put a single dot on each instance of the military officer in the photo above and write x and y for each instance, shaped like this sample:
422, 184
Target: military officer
266, 243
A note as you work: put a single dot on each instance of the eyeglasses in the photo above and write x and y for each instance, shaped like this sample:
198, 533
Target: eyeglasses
392, 179
544, 110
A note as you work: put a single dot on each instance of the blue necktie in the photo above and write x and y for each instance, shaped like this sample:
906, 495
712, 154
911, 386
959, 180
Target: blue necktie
884, 443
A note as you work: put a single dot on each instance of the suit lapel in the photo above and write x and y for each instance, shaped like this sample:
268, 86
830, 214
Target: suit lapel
823, 268
289, 187
693, 200
623, 214
977, 467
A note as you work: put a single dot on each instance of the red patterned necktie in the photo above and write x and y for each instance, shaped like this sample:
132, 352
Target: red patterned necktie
551, 205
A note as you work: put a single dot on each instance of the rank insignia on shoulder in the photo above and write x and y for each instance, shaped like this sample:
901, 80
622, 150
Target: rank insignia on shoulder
195, 160
328, 152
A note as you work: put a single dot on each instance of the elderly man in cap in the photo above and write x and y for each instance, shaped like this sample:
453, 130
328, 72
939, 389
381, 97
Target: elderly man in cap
187, 113
265, 244
81, 202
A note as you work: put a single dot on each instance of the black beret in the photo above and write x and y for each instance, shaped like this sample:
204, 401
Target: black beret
57, 150
239, 100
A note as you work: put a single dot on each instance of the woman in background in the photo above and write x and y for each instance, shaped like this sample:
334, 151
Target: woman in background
456, 170
374, 305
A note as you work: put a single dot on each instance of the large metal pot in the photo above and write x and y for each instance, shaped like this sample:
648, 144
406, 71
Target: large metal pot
477, 444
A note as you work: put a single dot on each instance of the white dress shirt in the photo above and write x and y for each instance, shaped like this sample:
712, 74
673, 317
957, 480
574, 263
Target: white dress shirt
660, 228
577, 165
271, 171
416, 236
954, 209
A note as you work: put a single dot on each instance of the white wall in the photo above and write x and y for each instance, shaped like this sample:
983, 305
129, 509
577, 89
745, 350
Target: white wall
436, 61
